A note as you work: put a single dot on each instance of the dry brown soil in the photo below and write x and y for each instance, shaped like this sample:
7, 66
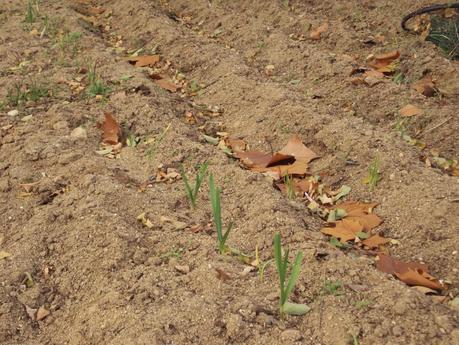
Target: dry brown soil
107, 279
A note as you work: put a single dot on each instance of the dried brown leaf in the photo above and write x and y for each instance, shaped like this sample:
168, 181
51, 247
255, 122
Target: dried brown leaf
425, 86
222, 275
410, 110
375, 241
316, 34
142, 61
42, 313
411, 273
111, 131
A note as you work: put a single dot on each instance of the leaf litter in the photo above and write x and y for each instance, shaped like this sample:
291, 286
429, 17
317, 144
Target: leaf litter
411, 273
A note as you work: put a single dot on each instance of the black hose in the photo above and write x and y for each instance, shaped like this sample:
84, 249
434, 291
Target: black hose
427, 9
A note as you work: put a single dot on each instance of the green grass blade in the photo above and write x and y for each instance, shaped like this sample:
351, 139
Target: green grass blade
188, 190
280, 266
199, 179
216, 210
294, 274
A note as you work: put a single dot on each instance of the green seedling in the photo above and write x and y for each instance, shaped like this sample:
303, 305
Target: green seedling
216, 213
373, 174
19, 94
334, 288
363, 304
70, 43
31, 11
96, 86
399, 78
290, 188
132, 140
286, 286
192, 192
155, 143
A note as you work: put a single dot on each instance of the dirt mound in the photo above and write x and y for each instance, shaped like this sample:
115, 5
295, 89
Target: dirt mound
71, 242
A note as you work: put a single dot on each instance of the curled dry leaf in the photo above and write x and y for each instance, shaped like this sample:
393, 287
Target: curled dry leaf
410, 110
222, 275
142, 61
411, 273
316, 34
384, 63
164, 83
30, 312
375, 241
111, 130
42, 313
425, 86
293, 159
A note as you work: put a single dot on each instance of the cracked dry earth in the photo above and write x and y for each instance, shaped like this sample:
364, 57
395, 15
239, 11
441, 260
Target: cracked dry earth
107, 279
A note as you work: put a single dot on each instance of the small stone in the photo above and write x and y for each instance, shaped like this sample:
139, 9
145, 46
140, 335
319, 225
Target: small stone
392, 176
79, 133
60, 125
27, 118
291, 335
13, 113
265, 319
182, 268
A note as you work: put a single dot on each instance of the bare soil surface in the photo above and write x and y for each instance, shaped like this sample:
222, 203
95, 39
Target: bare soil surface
69, 214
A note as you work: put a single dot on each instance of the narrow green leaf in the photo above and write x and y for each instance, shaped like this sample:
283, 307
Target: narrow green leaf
294, 274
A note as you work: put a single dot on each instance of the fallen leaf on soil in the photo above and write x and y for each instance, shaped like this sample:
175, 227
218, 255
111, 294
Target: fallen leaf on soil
368, 221
345, 230
297, 149
145, 221
384, 63
316, 34
353, 206
30, 312
410, 110
425, 86
164, 174
293, 159
42, 313
222, 275
111, 131
164, 83
411, 273
236, 145
375, 241
142, 61
424, 290
4, 255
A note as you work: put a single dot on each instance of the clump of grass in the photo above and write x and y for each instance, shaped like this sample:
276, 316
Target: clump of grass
290, 188
31, 11
286, 286
373, 174
96, 86
155, 142
19, 94
192, 191
217, 215
69, 42
333, 288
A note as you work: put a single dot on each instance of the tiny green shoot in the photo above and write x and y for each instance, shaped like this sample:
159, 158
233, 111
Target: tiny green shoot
96, 86
216, 213
290, 188
192, 191
373, 174
154, 145
286, 286
31, 11
334, 288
